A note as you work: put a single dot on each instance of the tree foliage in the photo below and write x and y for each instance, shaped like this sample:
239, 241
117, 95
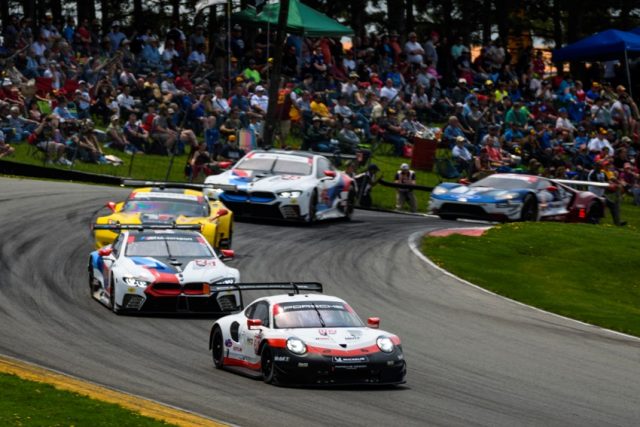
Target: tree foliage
560, 21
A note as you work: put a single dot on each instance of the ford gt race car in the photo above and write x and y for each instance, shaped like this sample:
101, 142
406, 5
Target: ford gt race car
284, 185
162, 271
166, 204
305, 339
515, 197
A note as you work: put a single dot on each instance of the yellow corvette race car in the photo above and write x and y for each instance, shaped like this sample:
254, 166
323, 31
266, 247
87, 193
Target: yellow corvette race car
166, 206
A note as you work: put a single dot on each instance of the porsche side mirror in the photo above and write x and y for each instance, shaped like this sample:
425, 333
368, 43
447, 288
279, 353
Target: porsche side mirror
329, 173
552, 188
105, 252
227, 254
111, 206
373, 322
254, 323
464, 181
225, 165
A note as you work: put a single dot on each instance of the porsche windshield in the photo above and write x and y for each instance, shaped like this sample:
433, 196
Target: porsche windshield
275, 165
314, 314
168, 246
167, 206
506, 183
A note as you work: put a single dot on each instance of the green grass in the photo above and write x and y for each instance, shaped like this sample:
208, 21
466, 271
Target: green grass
585, 272
28, 403
147, 166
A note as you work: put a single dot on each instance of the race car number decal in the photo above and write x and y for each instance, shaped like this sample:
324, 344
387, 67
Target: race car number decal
205, 262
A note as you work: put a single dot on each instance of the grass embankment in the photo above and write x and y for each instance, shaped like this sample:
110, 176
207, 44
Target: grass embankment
28, 403
146, 166
585, 272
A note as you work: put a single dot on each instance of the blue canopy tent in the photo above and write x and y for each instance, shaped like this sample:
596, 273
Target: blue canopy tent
605, 46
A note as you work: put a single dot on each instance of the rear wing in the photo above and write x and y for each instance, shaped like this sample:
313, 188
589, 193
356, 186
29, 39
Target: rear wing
185, 185
294, 287
571, 182
142, 227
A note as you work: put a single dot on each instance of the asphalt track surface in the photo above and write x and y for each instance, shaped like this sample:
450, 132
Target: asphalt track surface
474, 358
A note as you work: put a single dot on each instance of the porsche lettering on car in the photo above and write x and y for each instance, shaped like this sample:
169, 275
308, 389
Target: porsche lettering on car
162, 271
515, 197
286, 185
166, 205
306, 339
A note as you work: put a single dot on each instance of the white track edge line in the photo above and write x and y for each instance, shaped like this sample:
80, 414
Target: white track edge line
413, 238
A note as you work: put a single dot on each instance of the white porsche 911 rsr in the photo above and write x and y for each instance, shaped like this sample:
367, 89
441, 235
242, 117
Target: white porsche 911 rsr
286, 185
306, 339
162, 271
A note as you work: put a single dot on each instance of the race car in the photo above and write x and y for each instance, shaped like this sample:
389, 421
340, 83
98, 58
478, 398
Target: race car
286, 185
152, 269
310, 339
516, 197
165, 204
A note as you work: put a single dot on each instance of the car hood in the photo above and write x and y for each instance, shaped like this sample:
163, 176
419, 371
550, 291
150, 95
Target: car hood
185, 270
476, 194
248, 180
338, 338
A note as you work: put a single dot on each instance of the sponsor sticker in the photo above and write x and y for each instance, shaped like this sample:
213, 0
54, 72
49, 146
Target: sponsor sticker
354, 359
281, 359
228, 342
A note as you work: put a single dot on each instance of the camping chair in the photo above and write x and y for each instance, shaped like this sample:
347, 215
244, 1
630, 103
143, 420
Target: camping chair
446, 169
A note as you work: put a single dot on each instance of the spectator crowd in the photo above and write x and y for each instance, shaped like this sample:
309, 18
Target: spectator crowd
182, 91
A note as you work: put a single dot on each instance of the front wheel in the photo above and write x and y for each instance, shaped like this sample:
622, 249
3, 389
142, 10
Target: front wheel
217, 349
351, 203
313, 205
529, 209
112, 298
268, 367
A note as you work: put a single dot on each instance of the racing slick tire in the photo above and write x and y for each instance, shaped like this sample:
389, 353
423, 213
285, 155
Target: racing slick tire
313, 203
448, 217
595, 213
350, 206
529, 210
217, 348
92, 286
268, 367
112, 298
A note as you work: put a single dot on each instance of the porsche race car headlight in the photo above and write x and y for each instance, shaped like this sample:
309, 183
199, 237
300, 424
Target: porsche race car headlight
290, 194
439, 190
225, 281
296, 346
132, 281
385, 344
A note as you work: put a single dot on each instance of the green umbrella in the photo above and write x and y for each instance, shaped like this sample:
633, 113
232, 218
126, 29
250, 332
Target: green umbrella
302, 20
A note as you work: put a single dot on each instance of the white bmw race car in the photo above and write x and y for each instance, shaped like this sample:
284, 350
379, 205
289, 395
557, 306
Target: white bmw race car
162, 271
305, 339
284, 185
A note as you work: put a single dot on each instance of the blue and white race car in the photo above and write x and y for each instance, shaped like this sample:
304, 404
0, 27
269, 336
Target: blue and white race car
148, 270
515, 197
284, 185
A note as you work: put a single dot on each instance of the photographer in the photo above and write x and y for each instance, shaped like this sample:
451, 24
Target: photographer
405, 176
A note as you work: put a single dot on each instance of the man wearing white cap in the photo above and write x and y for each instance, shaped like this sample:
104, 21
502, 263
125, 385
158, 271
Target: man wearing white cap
405, 176
260, 101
